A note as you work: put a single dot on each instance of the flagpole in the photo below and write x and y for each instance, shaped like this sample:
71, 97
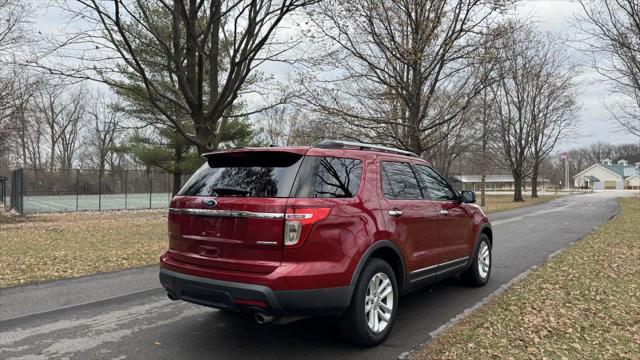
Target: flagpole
566, 171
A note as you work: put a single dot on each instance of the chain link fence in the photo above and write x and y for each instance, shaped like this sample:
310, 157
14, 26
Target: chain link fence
63, 190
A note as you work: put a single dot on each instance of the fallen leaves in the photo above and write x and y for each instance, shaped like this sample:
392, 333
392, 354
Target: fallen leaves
46, 247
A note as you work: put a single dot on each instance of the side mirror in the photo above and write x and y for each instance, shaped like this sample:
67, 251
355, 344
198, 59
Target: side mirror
468, 197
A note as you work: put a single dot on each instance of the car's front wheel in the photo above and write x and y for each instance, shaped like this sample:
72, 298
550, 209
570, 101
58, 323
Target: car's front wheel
478, 273
373, 308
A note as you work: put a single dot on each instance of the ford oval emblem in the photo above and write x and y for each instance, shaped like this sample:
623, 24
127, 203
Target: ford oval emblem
209, 203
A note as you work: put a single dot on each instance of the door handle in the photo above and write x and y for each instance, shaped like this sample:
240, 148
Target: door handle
395, 212
444, 212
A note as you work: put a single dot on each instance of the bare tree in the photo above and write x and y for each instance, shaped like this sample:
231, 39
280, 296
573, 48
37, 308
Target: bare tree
486, 124
105, 132
13, 34
396, 72
599, 151
553, 103
279, 126
629, 152
7, 85
24, 134
535, 101
62, 110
457, 138
189, 59
72, 122
553, 114
513, 91
612, 36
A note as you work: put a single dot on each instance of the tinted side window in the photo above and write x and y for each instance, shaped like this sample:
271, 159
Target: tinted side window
328, 177
399, 182
437, 187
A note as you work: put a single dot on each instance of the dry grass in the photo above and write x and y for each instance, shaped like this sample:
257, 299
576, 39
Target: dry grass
583, 304
46, 247
496, 203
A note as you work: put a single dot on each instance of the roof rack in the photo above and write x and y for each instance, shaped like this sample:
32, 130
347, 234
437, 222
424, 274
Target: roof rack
339, 144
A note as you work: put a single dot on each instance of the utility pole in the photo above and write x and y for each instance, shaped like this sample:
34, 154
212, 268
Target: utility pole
565, 156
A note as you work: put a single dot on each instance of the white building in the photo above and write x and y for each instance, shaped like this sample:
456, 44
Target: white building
606, 175
493, 182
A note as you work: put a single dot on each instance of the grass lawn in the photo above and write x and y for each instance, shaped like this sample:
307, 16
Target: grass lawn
582, 304
496, 203
45, 247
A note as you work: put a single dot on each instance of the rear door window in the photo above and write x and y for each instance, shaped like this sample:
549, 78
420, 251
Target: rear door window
399, 181
328, 177
245, 174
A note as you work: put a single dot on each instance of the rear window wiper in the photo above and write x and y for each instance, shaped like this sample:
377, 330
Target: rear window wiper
221, 191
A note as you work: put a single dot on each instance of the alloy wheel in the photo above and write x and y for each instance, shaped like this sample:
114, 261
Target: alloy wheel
378, 304
484, 260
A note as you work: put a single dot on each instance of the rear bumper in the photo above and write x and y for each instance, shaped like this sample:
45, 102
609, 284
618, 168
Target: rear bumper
235, 296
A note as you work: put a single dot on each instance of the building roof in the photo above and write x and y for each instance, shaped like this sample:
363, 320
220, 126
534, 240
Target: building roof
488, 178
622, 170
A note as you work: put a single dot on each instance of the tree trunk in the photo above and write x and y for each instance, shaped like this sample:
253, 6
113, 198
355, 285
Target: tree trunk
177, 174
23, 136
52, 147
517, 187
414, 137
534, 181
206, 135
177, 179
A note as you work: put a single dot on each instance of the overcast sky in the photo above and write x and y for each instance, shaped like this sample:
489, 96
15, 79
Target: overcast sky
594, 122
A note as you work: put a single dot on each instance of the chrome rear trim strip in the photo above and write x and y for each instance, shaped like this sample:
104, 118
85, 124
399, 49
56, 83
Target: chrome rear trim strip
437, 269
428, 268
227, 213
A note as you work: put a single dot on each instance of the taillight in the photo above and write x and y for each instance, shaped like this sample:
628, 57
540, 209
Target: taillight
299, 222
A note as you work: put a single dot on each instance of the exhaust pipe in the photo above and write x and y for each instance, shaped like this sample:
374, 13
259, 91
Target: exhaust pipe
171, 296
262, 318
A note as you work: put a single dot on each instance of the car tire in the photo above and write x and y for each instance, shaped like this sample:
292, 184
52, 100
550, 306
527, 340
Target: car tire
480, 270
371, 328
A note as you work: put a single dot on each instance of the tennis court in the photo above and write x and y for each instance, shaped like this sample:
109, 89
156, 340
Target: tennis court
65, 203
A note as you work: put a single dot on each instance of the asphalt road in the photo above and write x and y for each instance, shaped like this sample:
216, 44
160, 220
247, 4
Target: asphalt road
124, 315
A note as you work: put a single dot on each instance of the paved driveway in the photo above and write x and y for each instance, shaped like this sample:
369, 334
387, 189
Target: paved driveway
125, 315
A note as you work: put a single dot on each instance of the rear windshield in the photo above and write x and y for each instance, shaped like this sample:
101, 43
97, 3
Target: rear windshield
253, 174
275, 174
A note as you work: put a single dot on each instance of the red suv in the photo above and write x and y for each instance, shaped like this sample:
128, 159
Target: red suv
339, 229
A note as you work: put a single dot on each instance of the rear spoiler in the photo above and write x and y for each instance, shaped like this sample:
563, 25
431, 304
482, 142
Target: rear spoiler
301, 150
254, 157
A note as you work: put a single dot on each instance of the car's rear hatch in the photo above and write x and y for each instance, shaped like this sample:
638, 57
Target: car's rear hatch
230, 215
